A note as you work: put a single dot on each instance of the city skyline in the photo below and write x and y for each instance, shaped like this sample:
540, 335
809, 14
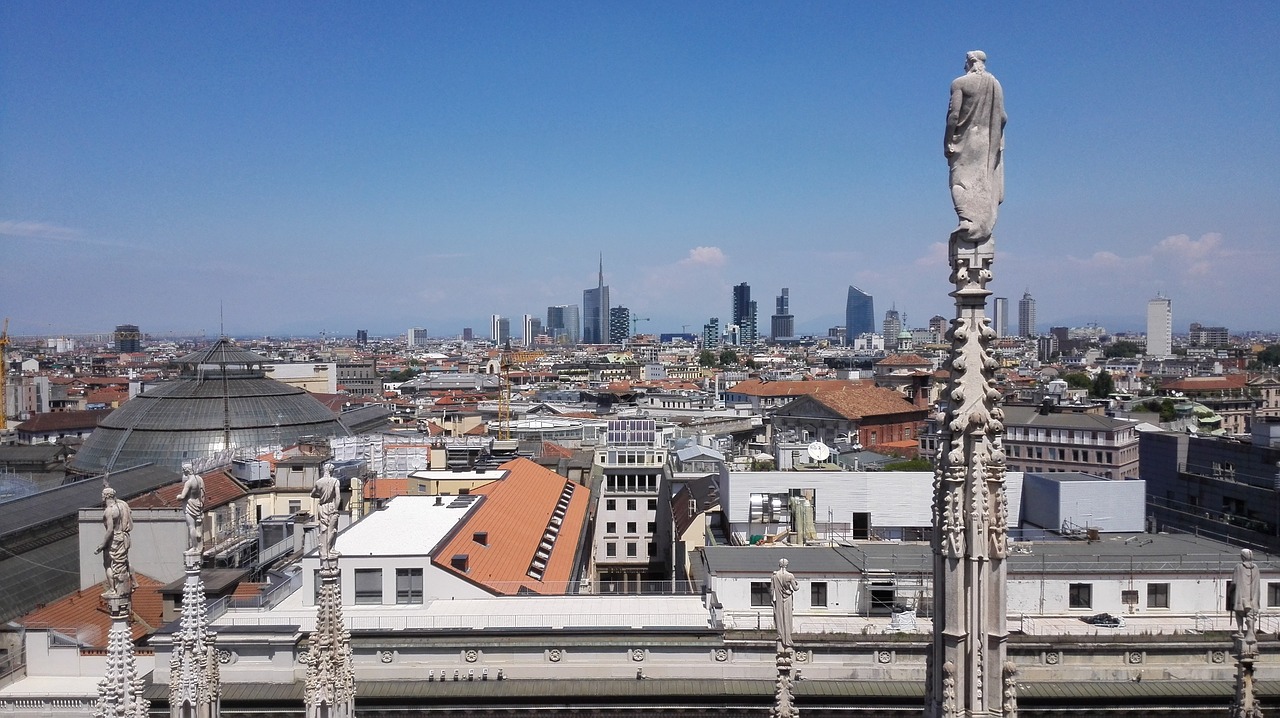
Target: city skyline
431, 165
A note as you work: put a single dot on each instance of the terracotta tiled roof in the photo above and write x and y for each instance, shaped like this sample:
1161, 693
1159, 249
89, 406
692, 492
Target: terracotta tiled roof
83, 614
63, 420
756, 387
513, 516
219, 490
552, 449
857, 402
1194, 384
904, 360
385, 488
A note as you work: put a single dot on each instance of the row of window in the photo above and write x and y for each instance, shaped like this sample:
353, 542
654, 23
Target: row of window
631, 483
611, 528
368, 585
1080, 595
762, 594
611, 549
612, 504
1067, 435
1057, 454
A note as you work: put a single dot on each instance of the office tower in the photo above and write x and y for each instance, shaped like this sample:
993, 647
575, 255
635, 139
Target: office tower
563, 323
532, 327
1202, 336
595, 311
499, 329
362, 336
1026, 315
782, 325
937, 328
1160, 327
128, 338
619, 325
1001, 319
859, 315
711, 334
468, 334
892, 328
416, 337
744, 314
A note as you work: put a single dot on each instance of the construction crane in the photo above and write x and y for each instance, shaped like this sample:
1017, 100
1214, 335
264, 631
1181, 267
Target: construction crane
504, 393
4, 375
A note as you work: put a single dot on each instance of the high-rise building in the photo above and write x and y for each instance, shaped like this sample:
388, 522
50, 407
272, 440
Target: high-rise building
859, 315
499, 329
595, 311
744, 314
782, 325
1026, 315
468, 334
619, 325
1000, 322
532, 327
362, 336
711, 334
1160, 327
1202, 336
892, 328
128, 338
416, 337
937, 328
564, 323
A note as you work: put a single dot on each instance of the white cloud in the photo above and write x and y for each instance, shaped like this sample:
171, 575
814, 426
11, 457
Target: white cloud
935, 257
38, 230
705, 256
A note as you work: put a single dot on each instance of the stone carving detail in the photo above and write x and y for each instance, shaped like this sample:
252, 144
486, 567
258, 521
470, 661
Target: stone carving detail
330, 687
637, 654
884, 657
1218, 657
949, 690
386, 656
554, 655
1010, 689
803, 656
1136, 657
1053, 658
194, 679
471, 656
226, 657
721, 655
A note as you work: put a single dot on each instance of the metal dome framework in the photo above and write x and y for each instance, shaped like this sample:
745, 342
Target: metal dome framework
221, 402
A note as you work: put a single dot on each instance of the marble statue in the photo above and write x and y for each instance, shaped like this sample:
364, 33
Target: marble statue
117, 519
784, 589
975, 149
192, 495
326, 491
1248, 583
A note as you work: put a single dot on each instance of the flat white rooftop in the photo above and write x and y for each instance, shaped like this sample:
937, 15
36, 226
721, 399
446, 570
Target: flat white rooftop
408, 526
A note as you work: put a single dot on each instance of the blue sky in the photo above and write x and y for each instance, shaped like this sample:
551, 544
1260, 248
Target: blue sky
332, 166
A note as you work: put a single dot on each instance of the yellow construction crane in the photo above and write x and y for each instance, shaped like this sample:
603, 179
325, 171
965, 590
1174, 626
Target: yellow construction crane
4, 375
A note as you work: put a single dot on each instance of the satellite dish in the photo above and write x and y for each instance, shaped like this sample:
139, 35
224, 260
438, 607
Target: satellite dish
819, 451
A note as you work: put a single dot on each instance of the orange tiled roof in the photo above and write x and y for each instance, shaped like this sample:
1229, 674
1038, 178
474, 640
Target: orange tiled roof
385, 488
756, 387
84, 613
514, 515
219, 490
904, 360
552, 449
856, 402
63, 420
1192, 384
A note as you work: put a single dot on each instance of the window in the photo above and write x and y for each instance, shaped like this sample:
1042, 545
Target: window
368, 585
610, 504
1273, 594
631, 504
1080, 595
610, 527
631, 548
818, 594
295, 506
631, 527
761, 595
408, 585
651, 527
611, 549
653, 549
653, 504
1157, 595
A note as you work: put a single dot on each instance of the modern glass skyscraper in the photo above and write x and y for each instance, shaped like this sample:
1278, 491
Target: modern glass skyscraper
563, 323
744, 314
782, 325
1027, 315
595, 311
859, 315
619, 325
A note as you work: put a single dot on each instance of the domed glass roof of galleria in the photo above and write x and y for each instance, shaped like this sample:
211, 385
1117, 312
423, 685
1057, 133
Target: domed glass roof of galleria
221, 402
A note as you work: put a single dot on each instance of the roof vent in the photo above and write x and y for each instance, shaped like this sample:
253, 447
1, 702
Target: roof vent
459, 562
481, 537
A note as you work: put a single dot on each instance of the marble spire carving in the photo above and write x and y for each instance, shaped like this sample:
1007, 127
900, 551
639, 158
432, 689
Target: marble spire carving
120, 690
194, 682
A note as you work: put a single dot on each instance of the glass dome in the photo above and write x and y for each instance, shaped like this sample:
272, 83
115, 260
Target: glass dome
221, 402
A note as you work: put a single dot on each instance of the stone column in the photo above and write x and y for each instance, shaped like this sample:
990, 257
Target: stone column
968, 673
784, 705
330, 684
1245, 704
194, 683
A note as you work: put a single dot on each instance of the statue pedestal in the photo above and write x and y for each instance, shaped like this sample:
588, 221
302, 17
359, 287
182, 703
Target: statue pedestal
783, 700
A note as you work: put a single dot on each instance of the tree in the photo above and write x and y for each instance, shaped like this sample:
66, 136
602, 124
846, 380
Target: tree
909, 465
1270, 356
1122, 349
1078, 380
728, 357
706, 358
1103, 385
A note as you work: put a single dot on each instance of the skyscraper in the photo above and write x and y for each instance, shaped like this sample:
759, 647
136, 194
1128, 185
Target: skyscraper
563, 323
744, 314
416, 337
859, 315
1001, 320
128, 338
532, 327
1026, 315
619, 325
782, 325
362, 336
499, 329
1160, 327
711, 334
892, 328
595, 311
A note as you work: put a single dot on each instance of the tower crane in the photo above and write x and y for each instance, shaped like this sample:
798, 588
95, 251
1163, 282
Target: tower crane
4, 375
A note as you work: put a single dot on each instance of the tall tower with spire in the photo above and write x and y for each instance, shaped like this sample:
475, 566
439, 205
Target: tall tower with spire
595, 311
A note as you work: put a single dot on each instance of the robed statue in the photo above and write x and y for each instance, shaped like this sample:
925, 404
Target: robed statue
1248, 583
783, 594
974, 147
326, 492
192, 498
117, 520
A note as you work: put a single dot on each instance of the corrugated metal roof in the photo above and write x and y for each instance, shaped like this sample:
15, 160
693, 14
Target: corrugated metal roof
30, 511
